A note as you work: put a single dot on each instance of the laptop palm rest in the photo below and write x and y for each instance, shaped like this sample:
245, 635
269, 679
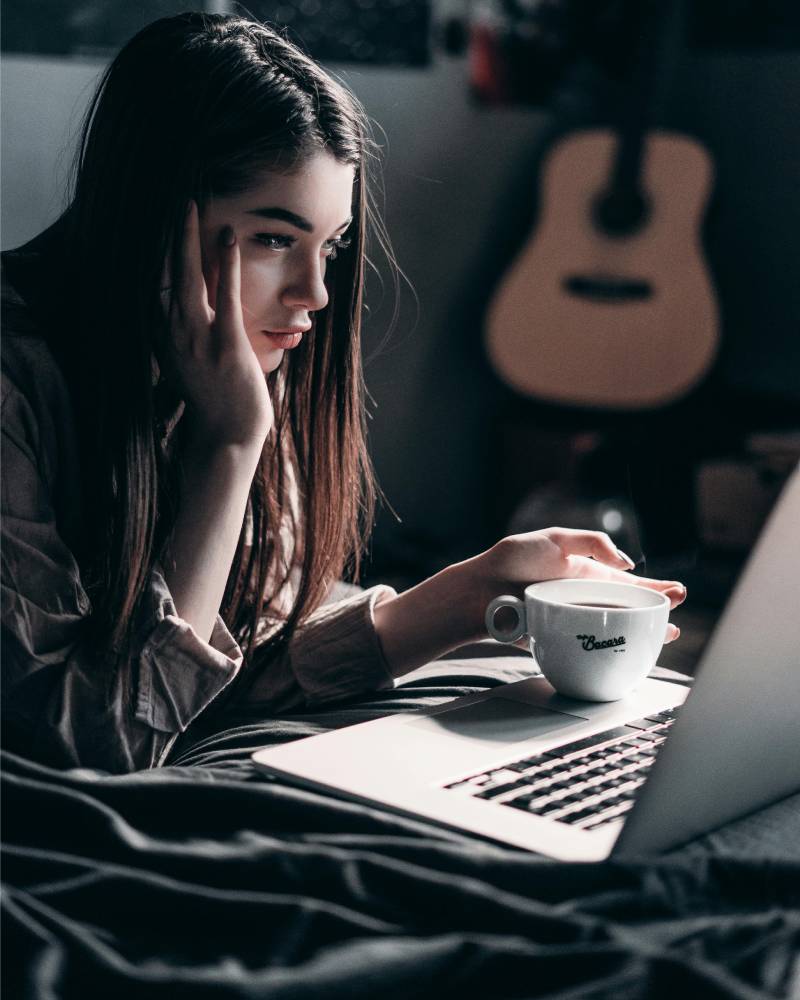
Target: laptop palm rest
497, 720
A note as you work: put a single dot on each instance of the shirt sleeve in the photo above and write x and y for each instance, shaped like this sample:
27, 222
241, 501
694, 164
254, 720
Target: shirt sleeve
335, 654
62, 703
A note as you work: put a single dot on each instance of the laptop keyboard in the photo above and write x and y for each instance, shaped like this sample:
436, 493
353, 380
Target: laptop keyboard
586, 784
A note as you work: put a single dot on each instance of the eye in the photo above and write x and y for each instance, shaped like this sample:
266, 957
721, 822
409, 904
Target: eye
274, 241
331, 247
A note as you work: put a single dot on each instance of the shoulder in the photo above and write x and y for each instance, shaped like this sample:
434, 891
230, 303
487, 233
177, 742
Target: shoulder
30, 284
36, 406
16, 314
28, 366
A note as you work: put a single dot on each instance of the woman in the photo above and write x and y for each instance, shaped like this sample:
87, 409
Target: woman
186, 474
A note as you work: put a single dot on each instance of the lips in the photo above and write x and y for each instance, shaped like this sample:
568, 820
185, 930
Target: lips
285, 340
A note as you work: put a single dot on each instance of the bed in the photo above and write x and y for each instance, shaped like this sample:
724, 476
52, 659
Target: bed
201, 879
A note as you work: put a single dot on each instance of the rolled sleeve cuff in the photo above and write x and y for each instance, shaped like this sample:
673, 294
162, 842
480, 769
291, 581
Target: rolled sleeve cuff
179, 673
337, 652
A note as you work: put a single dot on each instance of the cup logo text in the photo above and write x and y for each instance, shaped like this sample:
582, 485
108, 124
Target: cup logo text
589, 642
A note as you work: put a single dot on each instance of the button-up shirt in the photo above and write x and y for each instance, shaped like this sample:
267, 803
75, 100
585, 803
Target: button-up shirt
60, 705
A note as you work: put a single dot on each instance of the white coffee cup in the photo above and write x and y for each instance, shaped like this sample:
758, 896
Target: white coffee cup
586, 651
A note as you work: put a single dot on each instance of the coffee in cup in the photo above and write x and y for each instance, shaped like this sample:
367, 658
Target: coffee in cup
592, 639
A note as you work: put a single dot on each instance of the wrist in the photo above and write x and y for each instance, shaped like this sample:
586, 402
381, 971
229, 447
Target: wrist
218, 476
457, 596
200, 449
474, 582
202, 437
436, 616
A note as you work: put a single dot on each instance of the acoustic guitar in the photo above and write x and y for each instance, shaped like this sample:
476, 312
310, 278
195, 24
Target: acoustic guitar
609, 304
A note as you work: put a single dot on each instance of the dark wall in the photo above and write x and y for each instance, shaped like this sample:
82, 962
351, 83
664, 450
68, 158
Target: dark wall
461, 194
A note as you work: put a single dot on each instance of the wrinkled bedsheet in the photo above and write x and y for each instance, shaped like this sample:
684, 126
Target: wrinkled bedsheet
203, 880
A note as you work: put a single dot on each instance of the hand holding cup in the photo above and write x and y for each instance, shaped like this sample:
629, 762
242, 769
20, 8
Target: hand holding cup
594, 630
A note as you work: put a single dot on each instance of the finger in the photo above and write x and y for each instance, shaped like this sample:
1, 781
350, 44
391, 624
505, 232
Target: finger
165, 287
595, 544
191, 287
166, 272
675, 591
581, 567
672, 633
229, 322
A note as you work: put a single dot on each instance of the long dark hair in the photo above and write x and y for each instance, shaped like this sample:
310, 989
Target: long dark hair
193, 107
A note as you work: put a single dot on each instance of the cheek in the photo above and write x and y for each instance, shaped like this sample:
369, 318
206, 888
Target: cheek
259, 294
259, 298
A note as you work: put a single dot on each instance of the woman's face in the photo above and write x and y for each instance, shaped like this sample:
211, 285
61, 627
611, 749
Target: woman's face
288, 226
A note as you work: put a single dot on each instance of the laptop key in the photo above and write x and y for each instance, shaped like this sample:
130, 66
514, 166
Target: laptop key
572, 798
521, 802
644, 723
550, 807
635, 741
492, 793
591, 742
536, 805
607, 816
527, 763
501, 775
577, 817
651, 737
461, 786
669, 714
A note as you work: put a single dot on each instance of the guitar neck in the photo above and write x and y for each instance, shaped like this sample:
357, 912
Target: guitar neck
626, 172
625, 178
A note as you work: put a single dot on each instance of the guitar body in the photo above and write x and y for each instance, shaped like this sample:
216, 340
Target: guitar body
626, 321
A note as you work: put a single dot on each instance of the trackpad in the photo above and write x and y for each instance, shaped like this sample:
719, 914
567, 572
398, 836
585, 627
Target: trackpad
497, 720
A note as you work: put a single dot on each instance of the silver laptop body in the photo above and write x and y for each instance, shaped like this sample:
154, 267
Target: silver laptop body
525, 766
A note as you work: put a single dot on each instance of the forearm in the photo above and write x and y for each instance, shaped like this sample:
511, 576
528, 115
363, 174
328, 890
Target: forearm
215, 486
439, 614
447, 610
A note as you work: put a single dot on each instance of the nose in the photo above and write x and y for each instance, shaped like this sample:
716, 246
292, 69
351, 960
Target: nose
305, 287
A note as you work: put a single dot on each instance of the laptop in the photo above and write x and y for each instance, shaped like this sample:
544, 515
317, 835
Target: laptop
575, 780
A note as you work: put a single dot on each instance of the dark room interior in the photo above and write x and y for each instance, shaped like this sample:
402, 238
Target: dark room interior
587, 315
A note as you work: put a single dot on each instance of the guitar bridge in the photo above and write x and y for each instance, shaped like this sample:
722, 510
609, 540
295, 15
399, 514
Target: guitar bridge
608, 288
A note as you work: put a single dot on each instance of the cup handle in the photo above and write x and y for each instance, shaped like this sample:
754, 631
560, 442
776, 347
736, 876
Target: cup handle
517, 630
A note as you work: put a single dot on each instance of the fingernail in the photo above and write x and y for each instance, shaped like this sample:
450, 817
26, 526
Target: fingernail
678, 593
227, 236
626, 559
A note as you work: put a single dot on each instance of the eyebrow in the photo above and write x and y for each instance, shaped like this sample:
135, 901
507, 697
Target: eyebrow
284, 215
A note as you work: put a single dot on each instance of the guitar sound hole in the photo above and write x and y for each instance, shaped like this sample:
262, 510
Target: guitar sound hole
608, 288
621, 213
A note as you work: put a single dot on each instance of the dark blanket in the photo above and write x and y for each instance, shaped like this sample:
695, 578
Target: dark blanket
201, 879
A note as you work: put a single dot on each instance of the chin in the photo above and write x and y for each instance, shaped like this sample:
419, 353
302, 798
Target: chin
270, 360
